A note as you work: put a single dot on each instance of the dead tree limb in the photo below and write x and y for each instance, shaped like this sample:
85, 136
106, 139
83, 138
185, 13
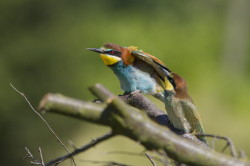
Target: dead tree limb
127, 121
229, 143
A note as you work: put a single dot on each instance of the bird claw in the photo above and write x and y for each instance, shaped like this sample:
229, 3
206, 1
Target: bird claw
134, 92
194, 132
130, 94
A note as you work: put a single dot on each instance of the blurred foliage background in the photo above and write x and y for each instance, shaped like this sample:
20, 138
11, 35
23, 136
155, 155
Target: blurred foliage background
42, 49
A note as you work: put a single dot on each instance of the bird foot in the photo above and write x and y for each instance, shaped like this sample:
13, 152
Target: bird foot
130, 94
134, 92
194, 132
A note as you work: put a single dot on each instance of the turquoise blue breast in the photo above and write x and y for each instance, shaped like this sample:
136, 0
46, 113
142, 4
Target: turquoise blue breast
132, 79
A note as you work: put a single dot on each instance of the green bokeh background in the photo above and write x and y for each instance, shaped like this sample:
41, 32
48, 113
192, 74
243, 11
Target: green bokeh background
42, 49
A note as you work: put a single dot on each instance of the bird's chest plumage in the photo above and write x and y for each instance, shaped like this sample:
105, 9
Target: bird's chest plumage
170, 102
132, 78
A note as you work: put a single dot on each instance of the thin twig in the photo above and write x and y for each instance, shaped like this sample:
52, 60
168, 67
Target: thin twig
41, 156
242, 154
133, 154
165, 159
228, 140
58, 139
150, 159
133, 124
72, 144
28, 155
213, 143
107, 163
34, 161
90, 144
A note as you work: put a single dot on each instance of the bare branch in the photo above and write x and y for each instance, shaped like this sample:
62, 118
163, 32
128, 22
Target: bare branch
150, 159
72, 144
131, 123
28, 155
41, 156
141, 102
57, 103
92, 112
165, 158
133, 154
32, 158
106, 163
83, 148
242, 154
46, 123
229, 143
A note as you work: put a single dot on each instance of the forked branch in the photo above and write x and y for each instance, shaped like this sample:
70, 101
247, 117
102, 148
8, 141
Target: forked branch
127, 121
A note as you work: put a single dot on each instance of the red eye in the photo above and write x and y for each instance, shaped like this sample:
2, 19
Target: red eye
112, 52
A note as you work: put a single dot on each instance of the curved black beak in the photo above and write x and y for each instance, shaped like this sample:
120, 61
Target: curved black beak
98, 50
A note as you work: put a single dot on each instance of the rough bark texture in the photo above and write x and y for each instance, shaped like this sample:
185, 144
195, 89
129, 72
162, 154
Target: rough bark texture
127, 121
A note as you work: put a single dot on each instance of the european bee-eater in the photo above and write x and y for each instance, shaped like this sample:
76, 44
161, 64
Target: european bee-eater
137, 70
133, 70
179, 105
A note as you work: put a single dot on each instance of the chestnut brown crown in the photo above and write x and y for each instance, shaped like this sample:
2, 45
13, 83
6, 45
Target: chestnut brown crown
180, 87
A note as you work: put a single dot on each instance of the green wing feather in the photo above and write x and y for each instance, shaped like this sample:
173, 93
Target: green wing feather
155, 63
176, 114
192, 116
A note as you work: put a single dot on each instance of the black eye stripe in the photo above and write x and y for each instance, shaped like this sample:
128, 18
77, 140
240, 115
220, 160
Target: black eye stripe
113, 52
171, 80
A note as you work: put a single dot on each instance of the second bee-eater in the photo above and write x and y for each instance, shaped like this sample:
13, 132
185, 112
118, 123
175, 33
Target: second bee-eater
180, 107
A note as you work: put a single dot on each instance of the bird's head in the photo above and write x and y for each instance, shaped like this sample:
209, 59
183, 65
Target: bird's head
112, 53
108, 55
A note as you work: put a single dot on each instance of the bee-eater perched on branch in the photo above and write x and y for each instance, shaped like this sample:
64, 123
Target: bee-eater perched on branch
133, 70
140, 71
179, 105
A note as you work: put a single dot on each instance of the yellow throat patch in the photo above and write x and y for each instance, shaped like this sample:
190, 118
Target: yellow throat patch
109, 59
168, 85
